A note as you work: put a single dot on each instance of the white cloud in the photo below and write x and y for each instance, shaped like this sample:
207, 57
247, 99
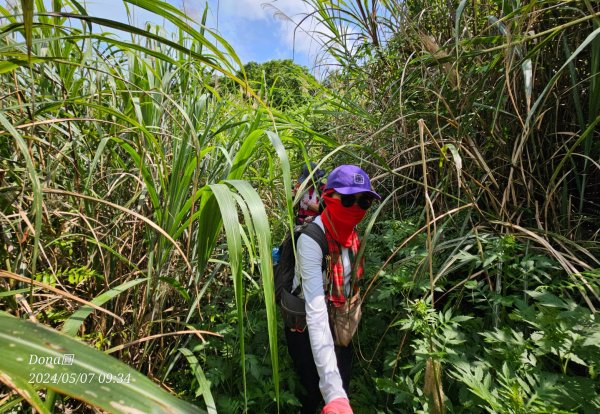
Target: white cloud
256, 9
192, 8
304, 33
242, 9
282, 15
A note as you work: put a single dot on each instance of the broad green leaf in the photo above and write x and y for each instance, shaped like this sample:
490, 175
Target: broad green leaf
37, 354
593, 340
547, 299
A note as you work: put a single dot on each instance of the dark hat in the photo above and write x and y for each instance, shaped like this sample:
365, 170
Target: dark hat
317, 173
350, 179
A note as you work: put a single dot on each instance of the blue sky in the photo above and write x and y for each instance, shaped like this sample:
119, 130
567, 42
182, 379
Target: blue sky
257, 29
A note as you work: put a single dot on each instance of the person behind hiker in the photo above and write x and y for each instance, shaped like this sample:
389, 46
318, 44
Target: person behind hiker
324, 369
309, 203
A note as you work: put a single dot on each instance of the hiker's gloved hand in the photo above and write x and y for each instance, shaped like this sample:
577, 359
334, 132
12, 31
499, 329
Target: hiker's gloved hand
338, 406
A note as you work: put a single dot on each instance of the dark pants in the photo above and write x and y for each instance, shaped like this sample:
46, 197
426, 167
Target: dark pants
298, 344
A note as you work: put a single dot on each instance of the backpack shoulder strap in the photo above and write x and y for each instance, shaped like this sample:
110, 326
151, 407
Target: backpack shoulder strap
315, 232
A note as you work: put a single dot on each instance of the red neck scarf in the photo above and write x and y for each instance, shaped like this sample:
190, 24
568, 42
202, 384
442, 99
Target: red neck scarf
340, 221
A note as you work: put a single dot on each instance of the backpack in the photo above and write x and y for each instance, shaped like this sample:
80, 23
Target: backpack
291, 306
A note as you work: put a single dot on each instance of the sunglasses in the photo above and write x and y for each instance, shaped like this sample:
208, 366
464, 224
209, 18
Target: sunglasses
363, 202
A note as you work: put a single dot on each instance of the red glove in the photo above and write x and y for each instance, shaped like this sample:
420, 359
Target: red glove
338, 406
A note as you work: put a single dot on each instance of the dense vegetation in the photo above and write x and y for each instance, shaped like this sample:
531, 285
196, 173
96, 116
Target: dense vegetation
151, 177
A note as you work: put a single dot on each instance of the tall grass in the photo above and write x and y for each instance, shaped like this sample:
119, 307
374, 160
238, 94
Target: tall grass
485, 114
127, 169
508, 127
132, 180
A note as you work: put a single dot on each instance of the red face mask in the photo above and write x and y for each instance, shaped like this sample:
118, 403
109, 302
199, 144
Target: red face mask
339, 220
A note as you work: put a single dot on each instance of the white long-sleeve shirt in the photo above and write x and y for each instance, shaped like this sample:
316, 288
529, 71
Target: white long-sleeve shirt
309, 260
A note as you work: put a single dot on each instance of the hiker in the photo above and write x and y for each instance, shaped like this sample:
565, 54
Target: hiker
309, 203
323, 367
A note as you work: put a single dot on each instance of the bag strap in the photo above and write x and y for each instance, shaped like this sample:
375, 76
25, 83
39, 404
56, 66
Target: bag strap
355, 264
315, 232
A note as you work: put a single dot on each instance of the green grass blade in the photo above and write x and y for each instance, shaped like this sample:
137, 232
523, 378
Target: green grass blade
35, 184
176, 285
591, 37
228, 210
178, 18
263, 235
203, 383
287, 176
11, 405
209, 222
24, 388
244, 154
71, 325
459, 11
27, 6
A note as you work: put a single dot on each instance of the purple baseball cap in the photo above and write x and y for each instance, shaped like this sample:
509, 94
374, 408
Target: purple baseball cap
350, 179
